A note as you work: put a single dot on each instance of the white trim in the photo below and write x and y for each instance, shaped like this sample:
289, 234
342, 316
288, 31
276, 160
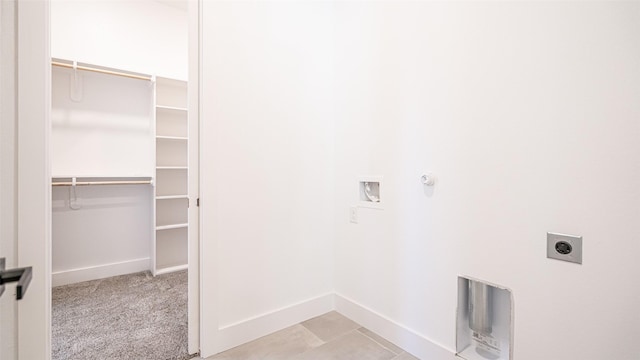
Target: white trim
239, 333
8, 174
99, 271
193, 117
208, 270
409, 340
242, 332
34, 177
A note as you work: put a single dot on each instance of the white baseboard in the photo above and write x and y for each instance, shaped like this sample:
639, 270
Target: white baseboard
242, 332
414, 343
99, 272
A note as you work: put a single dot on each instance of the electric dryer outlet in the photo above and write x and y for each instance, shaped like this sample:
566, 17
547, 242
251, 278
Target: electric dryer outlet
564, 247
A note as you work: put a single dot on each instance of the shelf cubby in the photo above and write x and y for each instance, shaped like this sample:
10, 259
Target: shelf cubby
171, 122
170, 182
171, 153
171, 93
171, 249
171, 211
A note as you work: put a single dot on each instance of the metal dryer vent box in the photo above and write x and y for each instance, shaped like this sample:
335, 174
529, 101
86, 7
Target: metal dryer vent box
484, 321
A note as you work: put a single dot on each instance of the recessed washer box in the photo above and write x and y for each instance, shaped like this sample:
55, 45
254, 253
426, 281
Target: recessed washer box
370, 192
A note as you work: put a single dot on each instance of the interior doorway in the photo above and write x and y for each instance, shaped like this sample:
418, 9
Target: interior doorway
124, 177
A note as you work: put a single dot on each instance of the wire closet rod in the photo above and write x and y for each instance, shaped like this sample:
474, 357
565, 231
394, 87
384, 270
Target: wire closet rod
115, 182
102, 71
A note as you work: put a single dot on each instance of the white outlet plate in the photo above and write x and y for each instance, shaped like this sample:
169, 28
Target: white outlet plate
353, 214
557, 243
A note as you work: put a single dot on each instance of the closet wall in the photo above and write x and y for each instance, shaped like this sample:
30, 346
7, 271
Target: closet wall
145, 36
102, 126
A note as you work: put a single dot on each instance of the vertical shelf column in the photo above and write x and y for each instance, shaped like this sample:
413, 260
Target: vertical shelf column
170, 247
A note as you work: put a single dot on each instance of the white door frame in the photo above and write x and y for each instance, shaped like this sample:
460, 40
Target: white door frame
194, 179
8, 196
33, 210
34, 177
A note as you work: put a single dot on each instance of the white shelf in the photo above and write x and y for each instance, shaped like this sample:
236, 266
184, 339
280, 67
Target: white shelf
171, 168
171, 108
161, 137
170, 197
173, 226
170, 269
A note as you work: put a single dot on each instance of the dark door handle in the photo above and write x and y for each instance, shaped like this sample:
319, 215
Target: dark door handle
21, 275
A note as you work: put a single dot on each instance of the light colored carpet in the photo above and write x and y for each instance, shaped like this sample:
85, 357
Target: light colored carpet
132, 316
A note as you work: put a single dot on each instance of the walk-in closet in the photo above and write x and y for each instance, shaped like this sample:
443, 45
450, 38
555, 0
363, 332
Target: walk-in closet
120, 141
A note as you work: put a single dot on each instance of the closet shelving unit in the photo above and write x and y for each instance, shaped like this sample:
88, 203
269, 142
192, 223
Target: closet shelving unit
172, 202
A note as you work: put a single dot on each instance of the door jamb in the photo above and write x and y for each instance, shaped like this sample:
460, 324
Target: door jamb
34, 175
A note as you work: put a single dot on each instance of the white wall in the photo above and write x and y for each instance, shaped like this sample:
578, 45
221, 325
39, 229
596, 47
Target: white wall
101, 126
109, 235
266, 166
107, 130
528, 114
147, 36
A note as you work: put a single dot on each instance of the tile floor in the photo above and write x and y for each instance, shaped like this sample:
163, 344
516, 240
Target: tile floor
327, 337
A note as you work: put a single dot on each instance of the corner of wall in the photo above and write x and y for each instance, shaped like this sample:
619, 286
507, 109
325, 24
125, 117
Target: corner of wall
408, 339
